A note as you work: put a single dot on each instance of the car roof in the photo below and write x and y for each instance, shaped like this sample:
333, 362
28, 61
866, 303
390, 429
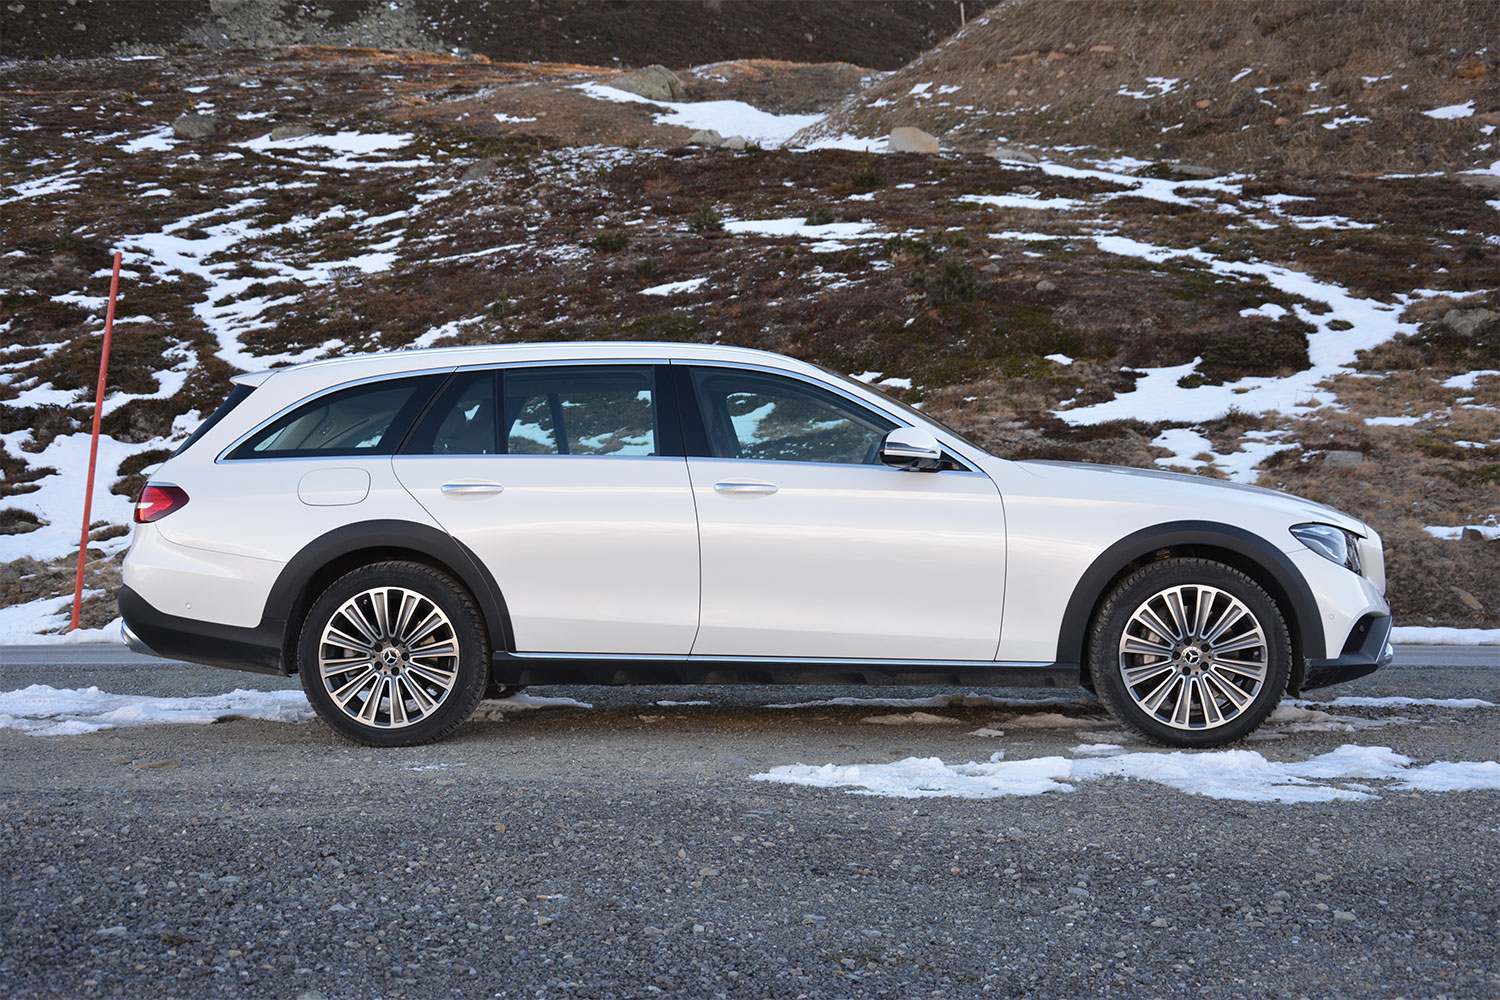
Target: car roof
394, 362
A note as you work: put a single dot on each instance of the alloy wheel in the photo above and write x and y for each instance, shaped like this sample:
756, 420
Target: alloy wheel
1193, 657
388, 657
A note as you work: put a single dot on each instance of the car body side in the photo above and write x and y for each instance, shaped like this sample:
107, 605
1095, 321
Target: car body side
225, 582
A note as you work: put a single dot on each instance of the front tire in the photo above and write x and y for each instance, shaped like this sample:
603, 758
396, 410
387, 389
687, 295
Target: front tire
1190, 653
393, 654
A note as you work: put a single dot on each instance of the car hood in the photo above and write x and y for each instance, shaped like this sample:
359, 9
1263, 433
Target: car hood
1180, 483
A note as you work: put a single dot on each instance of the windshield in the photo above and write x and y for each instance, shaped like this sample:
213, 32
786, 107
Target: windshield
908, 408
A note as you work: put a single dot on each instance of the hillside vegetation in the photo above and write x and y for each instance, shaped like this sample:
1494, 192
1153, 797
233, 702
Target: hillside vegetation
1334, 334
1302, 85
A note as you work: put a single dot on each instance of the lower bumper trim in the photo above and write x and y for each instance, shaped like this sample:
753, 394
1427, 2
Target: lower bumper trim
153, 632
1373, 653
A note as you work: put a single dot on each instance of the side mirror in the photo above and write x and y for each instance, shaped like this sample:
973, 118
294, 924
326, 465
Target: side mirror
913, 449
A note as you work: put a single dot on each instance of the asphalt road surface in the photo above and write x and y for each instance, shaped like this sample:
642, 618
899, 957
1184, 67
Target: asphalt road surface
623, 851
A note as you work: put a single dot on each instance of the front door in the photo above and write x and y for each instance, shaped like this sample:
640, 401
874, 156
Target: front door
555, 477
813, 548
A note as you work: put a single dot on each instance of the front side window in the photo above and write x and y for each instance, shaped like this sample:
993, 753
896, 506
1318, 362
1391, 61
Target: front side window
367, 419
584, 410
750, 415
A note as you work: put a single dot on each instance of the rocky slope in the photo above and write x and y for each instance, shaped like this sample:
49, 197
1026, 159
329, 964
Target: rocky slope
1305, 85
678, 33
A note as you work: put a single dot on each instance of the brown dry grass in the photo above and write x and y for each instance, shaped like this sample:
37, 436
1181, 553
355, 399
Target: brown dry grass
977, 358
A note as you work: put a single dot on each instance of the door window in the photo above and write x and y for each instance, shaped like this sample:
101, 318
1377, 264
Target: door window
585, 410
462, 421
367, 419
749, 415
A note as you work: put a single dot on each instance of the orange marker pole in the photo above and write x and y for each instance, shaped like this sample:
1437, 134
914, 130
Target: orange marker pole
88, 494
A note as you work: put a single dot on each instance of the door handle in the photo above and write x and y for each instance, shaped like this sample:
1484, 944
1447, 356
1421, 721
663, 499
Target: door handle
746, 486
471, 487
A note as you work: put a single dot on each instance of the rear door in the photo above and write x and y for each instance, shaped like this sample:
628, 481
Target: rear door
569, 483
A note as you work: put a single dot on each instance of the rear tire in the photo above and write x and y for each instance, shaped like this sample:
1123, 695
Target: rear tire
1190, 653
394, 654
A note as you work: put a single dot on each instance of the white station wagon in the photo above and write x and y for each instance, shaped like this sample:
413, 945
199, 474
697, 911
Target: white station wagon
409, 531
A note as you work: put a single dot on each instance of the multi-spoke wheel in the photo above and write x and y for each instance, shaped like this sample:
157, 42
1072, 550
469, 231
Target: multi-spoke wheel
1190, 652
393, 654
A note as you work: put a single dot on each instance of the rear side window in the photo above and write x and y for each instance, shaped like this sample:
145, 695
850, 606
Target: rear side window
367, 419
236, 396
463, 420
587, 410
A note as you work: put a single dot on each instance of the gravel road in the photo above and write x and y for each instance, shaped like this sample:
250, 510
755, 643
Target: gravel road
622, 851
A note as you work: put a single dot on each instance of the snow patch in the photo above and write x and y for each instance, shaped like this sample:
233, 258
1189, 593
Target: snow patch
724, 117
1236, 775
1463, 110
43, 710
1422, 635
673, 287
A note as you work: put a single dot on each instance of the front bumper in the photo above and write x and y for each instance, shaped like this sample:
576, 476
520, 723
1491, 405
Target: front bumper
1367, 649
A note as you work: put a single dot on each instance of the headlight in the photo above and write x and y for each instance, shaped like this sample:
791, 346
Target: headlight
1333, 544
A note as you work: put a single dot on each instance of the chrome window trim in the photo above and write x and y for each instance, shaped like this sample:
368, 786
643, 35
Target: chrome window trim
899, 417
222, 456
555, 363
663, 458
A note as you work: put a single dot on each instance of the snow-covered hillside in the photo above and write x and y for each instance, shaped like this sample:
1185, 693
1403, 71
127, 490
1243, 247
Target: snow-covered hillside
1331, 335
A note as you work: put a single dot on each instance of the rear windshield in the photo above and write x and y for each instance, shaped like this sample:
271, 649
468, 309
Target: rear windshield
237, 395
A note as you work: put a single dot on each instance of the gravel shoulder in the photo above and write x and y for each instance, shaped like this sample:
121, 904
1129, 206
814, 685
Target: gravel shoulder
622, 851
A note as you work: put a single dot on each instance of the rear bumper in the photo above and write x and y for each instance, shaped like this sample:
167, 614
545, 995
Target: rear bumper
1367, 649
155, 633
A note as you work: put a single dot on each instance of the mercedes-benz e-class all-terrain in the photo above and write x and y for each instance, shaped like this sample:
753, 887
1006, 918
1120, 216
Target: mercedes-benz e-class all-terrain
409, 531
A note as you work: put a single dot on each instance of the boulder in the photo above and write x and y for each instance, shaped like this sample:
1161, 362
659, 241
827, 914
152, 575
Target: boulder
911, 140
1192, 170
1467, 322
654, 83
705, 137
734, 142
191, 126
479, 169
1007, 153
292, 131
1339, 459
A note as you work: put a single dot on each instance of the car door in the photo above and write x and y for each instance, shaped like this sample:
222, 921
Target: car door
812, 548
570, 486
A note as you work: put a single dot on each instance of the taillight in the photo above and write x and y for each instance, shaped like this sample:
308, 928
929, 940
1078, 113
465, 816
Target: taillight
158, 500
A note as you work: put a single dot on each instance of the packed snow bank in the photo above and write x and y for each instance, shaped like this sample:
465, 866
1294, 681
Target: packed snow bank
1238, 775
1422, 635
43, 710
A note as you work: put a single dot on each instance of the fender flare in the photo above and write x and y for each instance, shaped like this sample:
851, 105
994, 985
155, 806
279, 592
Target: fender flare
1305, 622
288, 595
